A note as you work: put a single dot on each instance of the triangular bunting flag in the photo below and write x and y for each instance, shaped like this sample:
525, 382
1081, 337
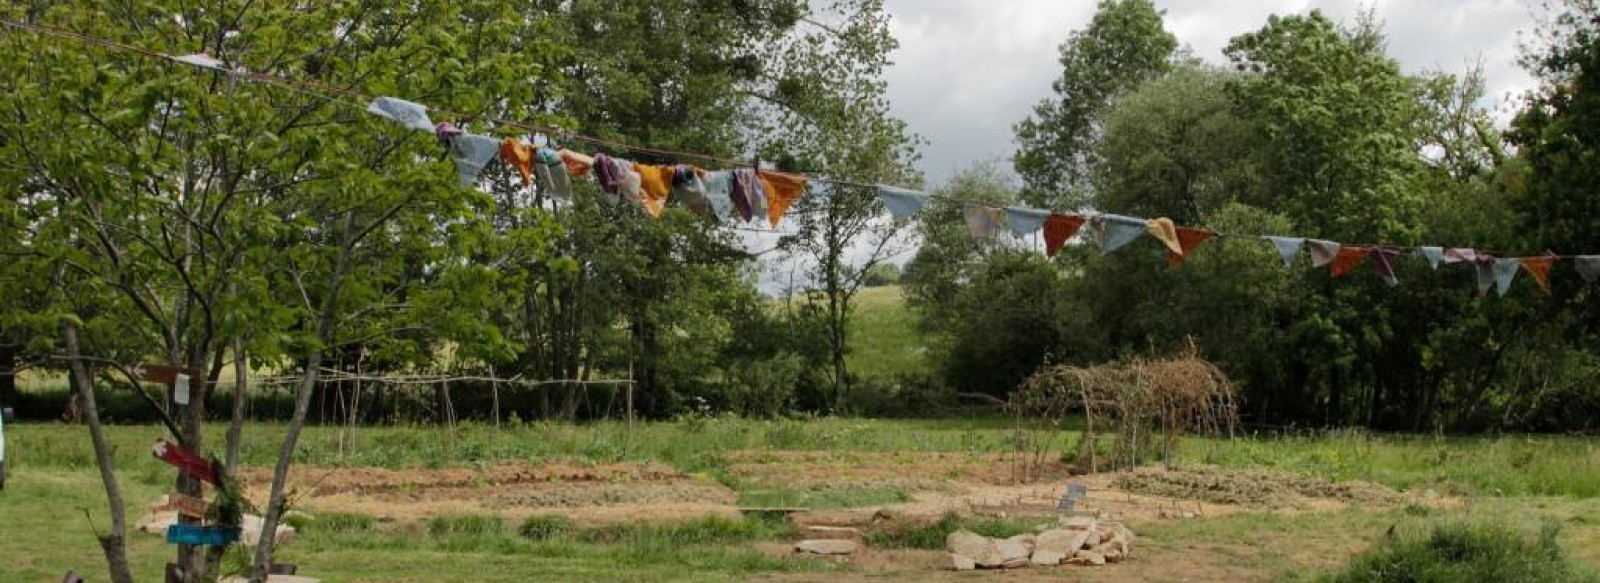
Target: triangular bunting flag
1434, 255
471, 153
1485, 266
1287, 248
656, 183
578, 165
406, 113
1322, 252
689, 190
1024, 220
1188, 240
719, 190
1588, 266
1113, 232
1165, 231
200, 60
902, 203
783, 189
981, 220
519, 156
1539, 268
1348, 257
1505, 271
1458, 255
1381, 261
1057, 229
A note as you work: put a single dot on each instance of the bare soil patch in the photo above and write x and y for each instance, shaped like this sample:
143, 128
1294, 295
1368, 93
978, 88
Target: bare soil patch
1255, 488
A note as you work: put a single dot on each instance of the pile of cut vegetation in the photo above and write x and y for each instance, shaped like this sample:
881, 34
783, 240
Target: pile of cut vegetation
1250, 487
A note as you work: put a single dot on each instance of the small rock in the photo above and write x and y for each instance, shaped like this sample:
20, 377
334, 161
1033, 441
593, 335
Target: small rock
1078, 522
1088, 558
833, 533
157, 522
1010, 551
1025, 539
162, 502
1061, 541
1014, 563
1189, 515
967, 543
1093, 540
1047, 558
826, 547
962, 562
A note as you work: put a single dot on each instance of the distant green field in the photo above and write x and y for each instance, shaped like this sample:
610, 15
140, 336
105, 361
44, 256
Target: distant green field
883, 336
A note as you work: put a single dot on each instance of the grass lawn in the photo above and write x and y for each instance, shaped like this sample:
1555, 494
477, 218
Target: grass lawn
1523, 481
883, 337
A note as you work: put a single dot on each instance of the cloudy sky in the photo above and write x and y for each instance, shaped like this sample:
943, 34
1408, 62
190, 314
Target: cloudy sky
967, 70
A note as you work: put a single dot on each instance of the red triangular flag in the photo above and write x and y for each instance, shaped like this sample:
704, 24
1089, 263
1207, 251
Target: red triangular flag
1348, 258
1539, 268
1188, 239
1059, 228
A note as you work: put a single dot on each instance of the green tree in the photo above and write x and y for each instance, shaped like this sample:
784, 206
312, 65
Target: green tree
1124, 45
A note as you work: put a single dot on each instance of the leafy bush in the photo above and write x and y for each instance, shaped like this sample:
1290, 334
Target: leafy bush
544, 527
1476, 553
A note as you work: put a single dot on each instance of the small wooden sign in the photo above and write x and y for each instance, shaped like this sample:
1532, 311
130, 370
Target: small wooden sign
187, 505
161, 373
187, 461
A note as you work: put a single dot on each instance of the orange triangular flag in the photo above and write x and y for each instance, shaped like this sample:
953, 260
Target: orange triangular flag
657, 184
1539, 268
578, 165
1167, 232
1188, 239
1348, 258
1059, 228
782, 190
519, 156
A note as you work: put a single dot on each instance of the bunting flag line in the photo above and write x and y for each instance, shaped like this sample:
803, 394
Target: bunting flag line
1588, 266
1288, 247
578, 165
405, 113
1322, 252
1434, 255
743, 191
1346, 259
1057, 229
1113, 232
756, 191
1505, 271
981, 220
1024, 220
201, 60
688, 187
902, 203
471, 153
1188, 240
1539, 268
1165, 231
1382, 261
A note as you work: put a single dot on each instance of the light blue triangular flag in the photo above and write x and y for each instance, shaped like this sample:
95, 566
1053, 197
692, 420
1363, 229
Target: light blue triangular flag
1112, 232
719, 190
1322, 252
471, 153
901, 202
1485, 274
1505, 271
1434, 255
1024, 220
1588, 266
406, 113
1288, 247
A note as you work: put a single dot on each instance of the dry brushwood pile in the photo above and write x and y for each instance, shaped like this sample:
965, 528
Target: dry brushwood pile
1135, 400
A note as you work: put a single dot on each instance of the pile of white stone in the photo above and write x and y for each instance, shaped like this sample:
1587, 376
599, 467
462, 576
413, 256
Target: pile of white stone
1078, 540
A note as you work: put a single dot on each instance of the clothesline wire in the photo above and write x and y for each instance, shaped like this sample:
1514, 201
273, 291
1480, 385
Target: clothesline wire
311, 88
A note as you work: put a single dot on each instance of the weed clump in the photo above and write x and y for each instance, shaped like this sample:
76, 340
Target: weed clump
1462, 552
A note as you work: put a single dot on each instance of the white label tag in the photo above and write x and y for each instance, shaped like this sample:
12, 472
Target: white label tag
180, 390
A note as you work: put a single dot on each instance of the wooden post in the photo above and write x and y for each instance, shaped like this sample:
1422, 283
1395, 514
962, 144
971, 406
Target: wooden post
494, 393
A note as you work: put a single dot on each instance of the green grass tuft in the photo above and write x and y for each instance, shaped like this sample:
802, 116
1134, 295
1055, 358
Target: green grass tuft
1462, 552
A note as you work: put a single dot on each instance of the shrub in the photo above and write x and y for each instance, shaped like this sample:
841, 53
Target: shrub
1477, 553
544, 527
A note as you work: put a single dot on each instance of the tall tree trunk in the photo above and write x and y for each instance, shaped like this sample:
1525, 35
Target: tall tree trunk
302, 404
114, 543
241, 381
8, 374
